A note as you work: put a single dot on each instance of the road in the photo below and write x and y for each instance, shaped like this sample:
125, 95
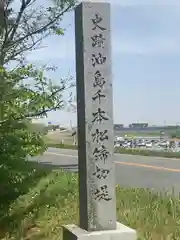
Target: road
131, 171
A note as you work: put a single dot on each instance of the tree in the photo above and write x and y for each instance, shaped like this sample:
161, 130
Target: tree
25, 91
23, 30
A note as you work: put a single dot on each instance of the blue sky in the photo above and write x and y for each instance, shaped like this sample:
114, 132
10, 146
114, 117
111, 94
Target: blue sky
145, 61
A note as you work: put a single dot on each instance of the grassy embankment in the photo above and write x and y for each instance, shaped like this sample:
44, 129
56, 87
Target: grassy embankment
47, 199
140, 152
54, 140
138, 133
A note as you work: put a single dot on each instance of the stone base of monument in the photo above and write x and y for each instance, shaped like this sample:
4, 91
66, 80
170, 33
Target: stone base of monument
122, 232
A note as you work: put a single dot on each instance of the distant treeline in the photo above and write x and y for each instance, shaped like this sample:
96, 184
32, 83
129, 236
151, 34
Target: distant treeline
175, 134
173, 131
43, 129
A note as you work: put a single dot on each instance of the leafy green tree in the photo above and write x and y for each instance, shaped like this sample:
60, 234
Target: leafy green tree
27, 24
22, 30
25, 90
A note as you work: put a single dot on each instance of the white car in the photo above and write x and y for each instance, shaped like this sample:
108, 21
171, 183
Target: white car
149, 145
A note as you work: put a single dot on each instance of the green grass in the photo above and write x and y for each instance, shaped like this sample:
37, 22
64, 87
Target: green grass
140, 152
57, 137
146, 152
60, 145
137, 133
39, 213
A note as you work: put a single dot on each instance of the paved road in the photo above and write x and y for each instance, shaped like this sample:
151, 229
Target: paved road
131, 171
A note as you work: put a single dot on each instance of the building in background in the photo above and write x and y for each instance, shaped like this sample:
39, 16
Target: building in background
118, 126
138, 125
